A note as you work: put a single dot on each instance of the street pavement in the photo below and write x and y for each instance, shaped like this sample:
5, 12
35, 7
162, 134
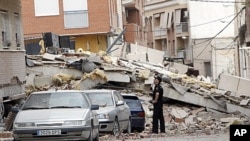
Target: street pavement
213, 137
220, 137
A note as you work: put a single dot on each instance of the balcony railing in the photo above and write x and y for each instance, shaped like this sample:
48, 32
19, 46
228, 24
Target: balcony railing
158, 31
182, 27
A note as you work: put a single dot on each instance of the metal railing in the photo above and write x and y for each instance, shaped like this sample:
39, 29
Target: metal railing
158, 31
182, 27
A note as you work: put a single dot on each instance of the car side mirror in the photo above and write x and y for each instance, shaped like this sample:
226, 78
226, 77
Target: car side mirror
120, 103
15, 110
94, 107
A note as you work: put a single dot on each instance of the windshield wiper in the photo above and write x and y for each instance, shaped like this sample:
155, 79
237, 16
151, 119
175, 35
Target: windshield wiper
65, 107
30, 108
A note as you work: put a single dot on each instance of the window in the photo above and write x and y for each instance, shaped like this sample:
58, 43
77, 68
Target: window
5, 33
18, 29
75, 13
46, 7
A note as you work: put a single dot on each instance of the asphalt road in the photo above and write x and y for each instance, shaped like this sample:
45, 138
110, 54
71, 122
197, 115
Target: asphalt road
213, 137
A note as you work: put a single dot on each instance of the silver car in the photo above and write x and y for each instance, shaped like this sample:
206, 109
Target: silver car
114, 113
57, 115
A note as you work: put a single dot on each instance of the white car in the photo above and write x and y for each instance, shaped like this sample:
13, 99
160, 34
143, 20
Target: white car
114, 114
56, 115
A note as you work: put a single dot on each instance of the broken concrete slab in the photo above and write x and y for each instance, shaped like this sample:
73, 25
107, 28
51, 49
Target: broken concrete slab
30, 79
95, 58
244, 101
53, 70
89, 83
229, 119
113, 68
178, 113
48, 56
42, 81
144, 74
237, 84
87, 66
231, 108
192, 99
117, 77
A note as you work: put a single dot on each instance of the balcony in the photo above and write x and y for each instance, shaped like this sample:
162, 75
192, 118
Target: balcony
158, 31
150, 2
181, 28
131, 4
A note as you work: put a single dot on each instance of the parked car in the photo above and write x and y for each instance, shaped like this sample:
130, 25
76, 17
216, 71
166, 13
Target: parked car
113, 113
137, 112
56, 115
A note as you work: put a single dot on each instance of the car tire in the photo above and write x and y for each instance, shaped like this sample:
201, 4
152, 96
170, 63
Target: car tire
140, 129
90, 134
129, 129
7, 110
116, 128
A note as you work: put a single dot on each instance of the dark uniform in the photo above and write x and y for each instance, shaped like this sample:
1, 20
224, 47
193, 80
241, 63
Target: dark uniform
158, 111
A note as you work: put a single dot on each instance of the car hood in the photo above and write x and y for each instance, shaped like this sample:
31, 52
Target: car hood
50, 114
105, 109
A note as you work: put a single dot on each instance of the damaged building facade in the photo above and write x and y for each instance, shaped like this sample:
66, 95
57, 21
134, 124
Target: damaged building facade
60, 25
12, 56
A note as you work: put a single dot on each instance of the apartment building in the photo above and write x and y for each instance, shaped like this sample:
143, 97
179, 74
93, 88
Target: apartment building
133, 21
80, 24
12, 53
167, 28
208, 41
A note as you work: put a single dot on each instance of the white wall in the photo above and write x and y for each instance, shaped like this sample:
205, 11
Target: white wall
223, 62
208, 18
138, 53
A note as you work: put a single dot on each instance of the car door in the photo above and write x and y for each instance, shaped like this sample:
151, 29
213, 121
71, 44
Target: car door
123, 109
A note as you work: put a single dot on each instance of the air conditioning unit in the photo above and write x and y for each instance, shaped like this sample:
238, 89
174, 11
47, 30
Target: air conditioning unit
186, 14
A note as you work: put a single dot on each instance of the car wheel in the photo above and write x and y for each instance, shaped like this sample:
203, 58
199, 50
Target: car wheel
90, 134
128, 130
116, 128
140, 129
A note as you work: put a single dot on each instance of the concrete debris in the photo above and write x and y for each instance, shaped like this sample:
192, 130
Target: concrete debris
48, 56
179, 113
214, 105
87, 66
244, 101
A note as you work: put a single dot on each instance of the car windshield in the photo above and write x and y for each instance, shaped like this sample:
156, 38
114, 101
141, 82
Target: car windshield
56, 100
133, 103
101, 98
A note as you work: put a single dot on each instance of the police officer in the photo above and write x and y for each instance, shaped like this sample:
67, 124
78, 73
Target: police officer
158, 104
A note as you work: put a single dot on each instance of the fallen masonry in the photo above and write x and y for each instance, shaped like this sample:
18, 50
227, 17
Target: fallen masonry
193, 105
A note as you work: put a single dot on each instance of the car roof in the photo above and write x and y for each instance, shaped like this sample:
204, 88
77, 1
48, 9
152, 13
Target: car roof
98, 90
55, 91
129, 94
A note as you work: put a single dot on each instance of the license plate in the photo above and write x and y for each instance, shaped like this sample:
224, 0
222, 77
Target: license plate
48, 132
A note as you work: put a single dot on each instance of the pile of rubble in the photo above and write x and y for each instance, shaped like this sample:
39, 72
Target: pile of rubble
185, 119
199, 106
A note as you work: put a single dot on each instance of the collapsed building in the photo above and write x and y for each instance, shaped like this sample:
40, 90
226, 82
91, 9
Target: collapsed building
228, 97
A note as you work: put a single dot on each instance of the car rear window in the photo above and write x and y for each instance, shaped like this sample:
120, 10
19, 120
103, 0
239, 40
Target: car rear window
133, 103
130, 97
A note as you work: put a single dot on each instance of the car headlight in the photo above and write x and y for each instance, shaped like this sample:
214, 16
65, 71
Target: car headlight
103, 116
74, 123
25, 124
